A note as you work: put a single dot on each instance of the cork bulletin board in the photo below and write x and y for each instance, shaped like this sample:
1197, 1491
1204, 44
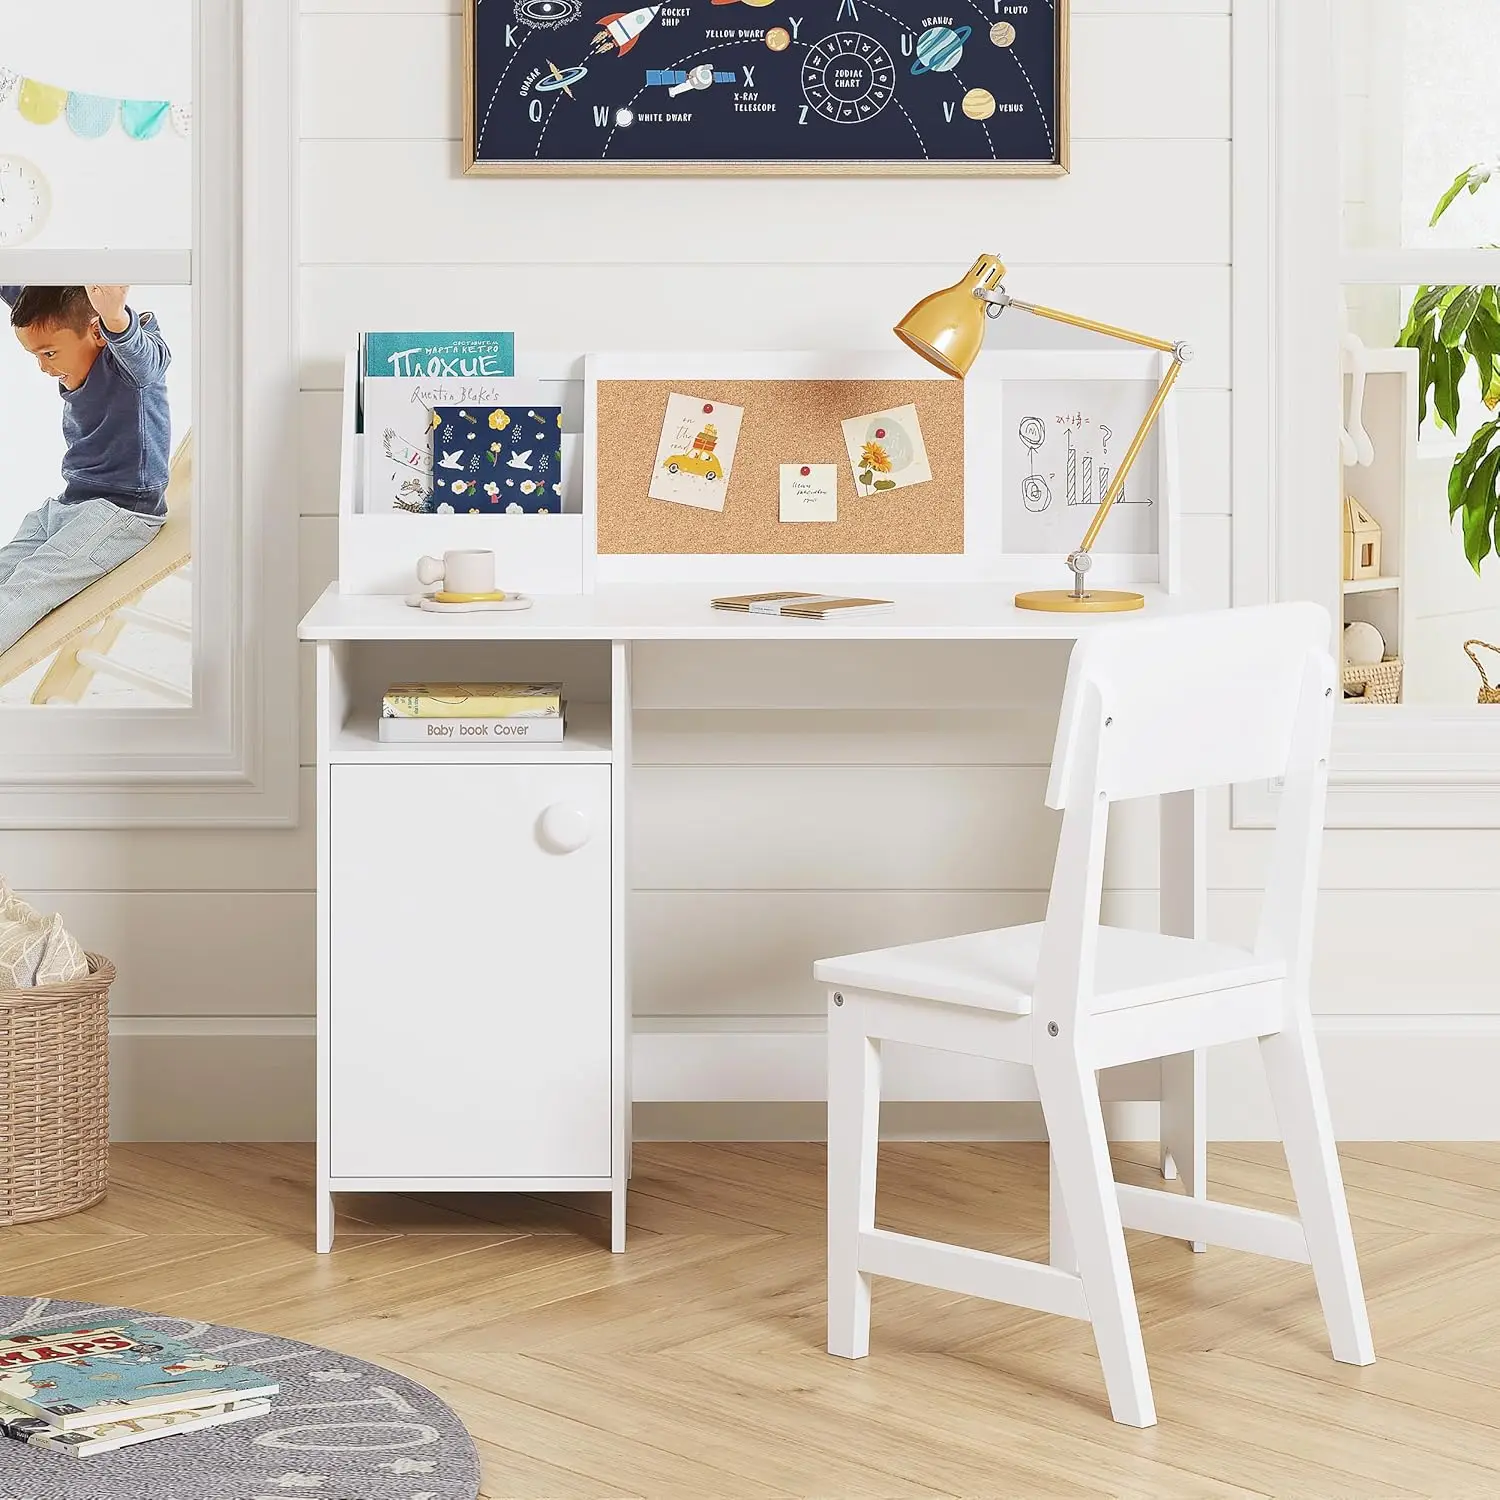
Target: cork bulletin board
786, 421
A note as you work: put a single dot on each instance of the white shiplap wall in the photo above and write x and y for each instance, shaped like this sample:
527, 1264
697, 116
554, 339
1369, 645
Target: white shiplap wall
765, 839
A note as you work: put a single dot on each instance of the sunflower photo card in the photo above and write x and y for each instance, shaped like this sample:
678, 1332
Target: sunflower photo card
496, 460
886, 451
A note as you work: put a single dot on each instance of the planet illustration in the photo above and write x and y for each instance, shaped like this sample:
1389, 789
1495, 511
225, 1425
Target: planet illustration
546, 15
1002, 33
939, 49
778, 39
562, 79
979, 104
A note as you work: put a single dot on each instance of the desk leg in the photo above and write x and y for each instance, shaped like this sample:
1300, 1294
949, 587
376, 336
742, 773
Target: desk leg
1184, 913
621, 1022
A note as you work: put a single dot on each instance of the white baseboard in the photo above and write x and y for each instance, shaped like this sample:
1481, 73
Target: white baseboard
1389, 1078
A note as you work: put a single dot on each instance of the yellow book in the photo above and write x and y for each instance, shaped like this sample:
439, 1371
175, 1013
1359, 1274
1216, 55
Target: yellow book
472, 700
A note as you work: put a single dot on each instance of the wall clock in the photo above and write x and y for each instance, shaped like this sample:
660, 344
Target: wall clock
25, 200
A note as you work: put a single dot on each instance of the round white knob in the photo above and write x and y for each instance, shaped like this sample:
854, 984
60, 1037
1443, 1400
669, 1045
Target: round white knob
430, 570
564, 829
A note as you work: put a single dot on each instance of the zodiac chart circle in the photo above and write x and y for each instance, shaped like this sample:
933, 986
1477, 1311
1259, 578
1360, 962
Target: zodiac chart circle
848, 78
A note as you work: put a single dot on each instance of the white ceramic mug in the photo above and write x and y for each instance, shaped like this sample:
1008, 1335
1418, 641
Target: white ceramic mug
460, 572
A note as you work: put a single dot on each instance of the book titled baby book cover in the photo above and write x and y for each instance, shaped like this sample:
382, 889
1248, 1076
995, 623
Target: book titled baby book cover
78, 1377
496, 460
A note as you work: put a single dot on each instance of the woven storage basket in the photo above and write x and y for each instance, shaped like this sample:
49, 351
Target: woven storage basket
54, 1096
1487, 694
1380, 682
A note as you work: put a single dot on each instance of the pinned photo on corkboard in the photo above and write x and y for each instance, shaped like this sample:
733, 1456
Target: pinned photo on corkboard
886, 451
695, 456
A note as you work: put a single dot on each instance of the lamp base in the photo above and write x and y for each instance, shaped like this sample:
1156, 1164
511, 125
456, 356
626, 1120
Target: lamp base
1095, 602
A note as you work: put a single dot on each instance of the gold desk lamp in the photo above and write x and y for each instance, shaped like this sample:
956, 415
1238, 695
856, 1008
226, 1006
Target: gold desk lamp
947, 329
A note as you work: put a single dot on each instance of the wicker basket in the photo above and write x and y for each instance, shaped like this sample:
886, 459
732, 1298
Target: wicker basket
54, 1096
1380, 682
1487, 694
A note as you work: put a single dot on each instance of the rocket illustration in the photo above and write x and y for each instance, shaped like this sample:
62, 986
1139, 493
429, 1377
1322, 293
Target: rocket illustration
622, 28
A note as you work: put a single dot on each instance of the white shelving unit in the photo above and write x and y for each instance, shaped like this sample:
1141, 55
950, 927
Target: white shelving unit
1390, 417
473, 1008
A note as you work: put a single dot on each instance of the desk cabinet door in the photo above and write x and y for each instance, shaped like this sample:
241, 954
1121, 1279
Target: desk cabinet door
469, 971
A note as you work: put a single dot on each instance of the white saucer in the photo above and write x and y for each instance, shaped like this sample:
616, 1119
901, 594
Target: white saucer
427, 602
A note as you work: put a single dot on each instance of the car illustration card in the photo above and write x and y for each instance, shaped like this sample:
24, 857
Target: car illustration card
695, 456
809, 492
886, 451
496, 460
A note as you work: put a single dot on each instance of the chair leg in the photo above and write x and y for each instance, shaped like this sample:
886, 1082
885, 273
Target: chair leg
1061, 1253
853, 1142
1295, 1075
1075, 1126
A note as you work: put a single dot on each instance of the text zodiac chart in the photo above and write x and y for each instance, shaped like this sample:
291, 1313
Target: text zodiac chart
1060, 457
561, 84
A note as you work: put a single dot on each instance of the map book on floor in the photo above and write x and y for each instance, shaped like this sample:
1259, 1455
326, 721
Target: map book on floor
73, 1378
126, 1432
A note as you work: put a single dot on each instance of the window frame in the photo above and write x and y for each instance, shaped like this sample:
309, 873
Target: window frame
1414, 766
231, 759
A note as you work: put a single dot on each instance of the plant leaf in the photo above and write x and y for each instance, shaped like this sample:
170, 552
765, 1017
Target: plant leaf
1479, 511
1447, 200
1450, 365
1459, 314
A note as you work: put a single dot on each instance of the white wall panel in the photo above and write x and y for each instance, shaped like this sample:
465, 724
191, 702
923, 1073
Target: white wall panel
1121, 203
641, 306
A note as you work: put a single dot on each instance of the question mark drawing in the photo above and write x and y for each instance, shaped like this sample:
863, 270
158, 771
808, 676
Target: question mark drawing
1036, 494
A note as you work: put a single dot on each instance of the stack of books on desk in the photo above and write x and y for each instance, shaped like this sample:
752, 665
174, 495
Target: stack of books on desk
87, 1390
473, 713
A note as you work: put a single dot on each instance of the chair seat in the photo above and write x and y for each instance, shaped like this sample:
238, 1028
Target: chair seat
997, 970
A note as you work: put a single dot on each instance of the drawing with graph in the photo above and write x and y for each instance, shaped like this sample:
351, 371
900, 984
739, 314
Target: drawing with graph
1063, 445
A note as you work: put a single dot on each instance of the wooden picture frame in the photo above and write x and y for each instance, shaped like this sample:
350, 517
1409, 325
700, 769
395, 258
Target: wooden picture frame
1007, 119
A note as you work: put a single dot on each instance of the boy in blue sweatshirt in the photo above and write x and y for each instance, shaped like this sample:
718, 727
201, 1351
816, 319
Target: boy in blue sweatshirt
111, 367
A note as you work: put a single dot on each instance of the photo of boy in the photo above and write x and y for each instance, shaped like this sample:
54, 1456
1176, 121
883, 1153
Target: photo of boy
110, 363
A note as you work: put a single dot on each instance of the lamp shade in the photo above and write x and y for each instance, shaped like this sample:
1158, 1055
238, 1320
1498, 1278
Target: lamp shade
947, 328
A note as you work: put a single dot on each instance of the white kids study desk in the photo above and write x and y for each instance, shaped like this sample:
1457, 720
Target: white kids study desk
474, 1015
474, 1011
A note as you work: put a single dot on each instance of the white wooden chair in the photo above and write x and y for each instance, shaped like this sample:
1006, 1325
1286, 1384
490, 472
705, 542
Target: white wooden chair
1150, 708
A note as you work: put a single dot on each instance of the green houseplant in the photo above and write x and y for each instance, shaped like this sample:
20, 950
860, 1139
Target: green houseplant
1452, 327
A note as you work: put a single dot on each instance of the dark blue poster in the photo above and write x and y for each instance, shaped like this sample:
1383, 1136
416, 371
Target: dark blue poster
775, 86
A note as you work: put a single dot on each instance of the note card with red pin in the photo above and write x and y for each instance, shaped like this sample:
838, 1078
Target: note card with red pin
695, 456
886, 451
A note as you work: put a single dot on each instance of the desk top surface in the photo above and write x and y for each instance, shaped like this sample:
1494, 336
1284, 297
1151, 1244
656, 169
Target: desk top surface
682, 612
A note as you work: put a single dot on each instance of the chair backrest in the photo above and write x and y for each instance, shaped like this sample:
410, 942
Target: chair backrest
1196, 701
1160, 706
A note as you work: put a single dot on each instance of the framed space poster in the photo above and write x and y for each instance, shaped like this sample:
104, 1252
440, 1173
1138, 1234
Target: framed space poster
775, 87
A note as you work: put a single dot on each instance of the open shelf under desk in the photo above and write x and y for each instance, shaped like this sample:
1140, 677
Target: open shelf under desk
586, 739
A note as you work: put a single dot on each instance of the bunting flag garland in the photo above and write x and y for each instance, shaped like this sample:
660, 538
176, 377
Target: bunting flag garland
91, 116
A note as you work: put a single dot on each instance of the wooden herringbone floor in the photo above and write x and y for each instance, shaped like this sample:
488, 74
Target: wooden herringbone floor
692, 1367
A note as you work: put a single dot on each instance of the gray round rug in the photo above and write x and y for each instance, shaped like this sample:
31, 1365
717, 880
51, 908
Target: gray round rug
340, 1429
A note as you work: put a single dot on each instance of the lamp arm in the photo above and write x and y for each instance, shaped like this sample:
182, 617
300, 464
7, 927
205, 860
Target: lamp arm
1144, 340
1122, 473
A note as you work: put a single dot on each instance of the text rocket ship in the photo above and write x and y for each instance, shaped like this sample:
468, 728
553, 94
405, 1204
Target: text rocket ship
622, 28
